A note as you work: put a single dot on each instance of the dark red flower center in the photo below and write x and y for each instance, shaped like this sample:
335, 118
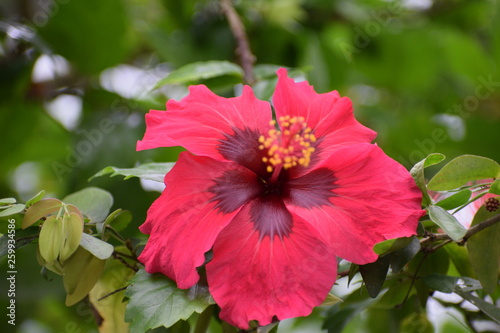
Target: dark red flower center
272, 159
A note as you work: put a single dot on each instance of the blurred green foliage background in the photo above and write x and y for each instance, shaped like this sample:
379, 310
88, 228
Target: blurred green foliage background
76, 79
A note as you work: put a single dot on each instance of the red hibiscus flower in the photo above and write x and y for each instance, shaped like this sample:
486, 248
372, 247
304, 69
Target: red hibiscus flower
276, 202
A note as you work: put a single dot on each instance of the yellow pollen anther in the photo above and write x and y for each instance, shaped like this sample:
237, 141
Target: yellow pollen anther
289, 147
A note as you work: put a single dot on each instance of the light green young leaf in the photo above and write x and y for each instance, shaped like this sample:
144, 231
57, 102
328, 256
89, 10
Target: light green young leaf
464, 169
51, 238
35, 199
97, 247
484, 251
447, 222
14, 209
81, 274
40, 209
119, 219
155, 301
94, 202
7, 201
149, 171
455, 200
107, 300
202, 70
72, 231
417, 172
331, 299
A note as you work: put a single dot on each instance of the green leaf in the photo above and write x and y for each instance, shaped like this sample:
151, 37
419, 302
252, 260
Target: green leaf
150, 171
443, 283
462, 170
455, 200
97, 247
105, 298
14, 209
396, 295
417, 172
51, 239
265, 71
338, 320
391, 245
81, 274
460, 258
35, 199
416, 323
94, 202
401, 257
271, 328
467, 284
340, 316
374, 274
447, 222
22, 237
155, 300
331, 299
202, 70
430, 263
484, 251
72, 230
489, 309
495, 187
40, 209
119, 219
7, 201
353, 270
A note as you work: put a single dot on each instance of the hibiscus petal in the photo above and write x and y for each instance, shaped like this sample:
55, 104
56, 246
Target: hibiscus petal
186, 219
328, 115
202, 121
255, 278
372, 198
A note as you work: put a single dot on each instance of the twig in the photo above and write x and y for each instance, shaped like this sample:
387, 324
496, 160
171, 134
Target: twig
414, 278
112, 293
117, 256
247, 59
121, 254
431, 238
343, 273
481, 226
440, 245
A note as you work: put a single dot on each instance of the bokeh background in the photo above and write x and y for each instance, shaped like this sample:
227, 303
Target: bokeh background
77, 77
